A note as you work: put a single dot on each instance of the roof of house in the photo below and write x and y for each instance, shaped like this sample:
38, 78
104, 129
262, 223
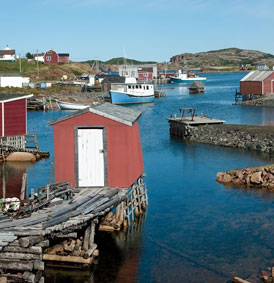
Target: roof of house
63, 54
110, 111
13, 97
114, 79
7, 52
257, 76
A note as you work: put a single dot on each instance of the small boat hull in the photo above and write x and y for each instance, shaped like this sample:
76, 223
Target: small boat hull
190, 80
70, 106
124, 98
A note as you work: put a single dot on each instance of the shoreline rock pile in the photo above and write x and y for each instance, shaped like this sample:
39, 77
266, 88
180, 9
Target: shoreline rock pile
250, 137
259, 177
264, 276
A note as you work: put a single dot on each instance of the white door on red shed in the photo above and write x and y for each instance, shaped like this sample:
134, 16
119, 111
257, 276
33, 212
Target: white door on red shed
91, 171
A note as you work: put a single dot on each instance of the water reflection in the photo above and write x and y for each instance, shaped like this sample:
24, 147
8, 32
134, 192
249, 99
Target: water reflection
118, 260
11, 178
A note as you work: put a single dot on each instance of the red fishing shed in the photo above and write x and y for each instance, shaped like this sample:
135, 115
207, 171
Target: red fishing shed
257, 82
98, 146
13, 114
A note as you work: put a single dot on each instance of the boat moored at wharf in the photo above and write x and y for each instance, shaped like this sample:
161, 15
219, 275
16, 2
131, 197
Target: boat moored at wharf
186, 77
131, 92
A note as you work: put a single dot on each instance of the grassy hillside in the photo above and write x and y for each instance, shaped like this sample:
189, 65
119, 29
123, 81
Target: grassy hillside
224, 58
46, 72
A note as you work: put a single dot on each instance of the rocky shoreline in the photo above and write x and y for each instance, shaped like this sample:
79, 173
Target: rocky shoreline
258, 177
250, 137
262, 101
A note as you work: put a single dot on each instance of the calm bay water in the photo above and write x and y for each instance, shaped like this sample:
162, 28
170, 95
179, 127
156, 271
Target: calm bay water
195, 230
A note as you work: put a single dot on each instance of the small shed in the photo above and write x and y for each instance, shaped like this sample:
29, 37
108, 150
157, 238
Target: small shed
13, 114
13, 80
258, 83
111, 79
98, 146
63, 57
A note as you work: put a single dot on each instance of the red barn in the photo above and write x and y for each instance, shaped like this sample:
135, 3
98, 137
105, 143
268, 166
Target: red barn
13, 114
257, 82
51, 57
63, 57
98, 146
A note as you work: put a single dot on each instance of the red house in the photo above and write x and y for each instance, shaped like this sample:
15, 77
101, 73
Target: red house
51, 58
145, 73
257, 82
13, 114
99, 146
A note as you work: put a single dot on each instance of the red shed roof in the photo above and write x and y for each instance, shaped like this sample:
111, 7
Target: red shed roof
113, 112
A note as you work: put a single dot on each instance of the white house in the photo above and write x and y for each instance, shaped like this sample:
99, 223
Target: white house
13, 80
7, 54
39, 57
135, 71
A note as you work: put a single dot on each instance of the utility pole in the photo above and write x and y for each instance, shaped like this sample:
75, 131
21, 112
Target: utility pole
20, 66
37, 63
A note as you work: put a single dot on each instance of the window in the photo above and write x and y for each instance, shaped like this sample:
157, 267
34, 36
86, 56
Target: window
48, 58
49, 52
147, 87
129, 86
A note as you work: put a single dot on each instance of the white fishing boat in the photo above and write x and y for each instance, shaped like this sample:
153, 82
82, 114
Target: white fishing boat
186, 77
70, 106
131, 92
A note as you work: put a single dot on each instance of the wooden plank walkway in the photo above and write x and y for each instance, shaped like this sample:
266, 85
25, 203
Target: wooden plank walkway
60, 212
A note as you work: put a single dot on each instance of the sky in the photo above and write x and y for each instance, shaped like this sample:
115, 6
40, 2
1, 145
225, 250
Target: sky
146, 30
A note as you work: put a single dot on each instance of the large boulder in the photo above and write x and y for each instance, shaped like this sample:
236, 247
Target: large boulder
256, 178
21, 156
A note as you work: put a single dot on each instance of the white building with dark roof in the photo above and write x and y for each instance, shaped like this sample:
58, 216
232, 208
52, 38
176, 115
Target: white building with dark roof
7, 54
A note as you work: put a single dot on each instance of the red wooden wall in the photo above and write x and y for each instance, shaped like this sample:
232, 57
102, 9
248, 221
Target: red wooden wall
247, 87
63, 59
124, 152
15, 116
267, 84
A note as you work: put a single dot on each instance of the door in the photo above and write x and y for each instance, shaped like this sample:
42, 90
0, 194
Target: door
91, 171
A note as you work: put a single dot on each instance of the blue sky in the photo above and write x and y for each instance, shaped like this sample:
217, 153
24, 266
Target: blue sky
143, 29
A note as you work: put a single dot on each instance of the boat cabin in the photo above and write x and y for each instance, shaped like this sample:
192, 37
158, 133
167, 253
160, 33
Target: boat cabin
98, 146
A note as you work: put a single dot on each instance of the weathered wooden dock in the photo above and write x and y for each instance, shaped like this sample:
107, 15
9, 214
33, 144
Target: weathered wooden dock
58, 225
179, 125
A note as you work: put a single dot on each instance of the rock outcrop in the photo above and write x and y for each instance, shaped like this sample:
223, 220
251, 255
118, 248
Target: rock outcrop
259, 177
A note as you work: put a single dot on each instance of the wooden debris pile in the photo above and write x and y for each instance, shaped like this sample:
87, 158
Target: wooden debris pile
125, 213
259, 177
74, 249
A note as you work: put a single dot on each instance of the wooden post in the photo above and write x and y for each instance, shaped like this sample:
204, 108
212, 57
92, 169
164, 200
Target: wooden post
86, 238
23, 187
3, 182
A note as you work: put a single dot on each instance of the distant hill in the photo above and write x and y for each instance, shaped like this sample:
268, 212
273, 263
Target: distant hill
120, 61
223, 58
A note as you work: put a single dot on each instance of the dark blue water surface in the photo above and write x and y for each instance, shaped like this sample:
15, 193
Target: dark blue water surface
196, 230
